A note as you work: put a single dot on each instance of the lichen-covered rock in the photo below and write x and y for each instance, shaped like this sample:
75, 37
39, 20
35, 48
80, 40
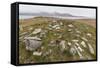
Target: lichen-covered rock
32, 43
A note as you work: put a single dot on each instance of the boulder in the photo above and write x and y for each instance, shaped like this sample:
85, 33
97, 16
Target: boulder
32, 43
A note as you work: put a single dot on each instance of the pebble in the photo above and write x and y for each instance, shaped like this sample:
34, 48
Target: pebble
69, 30
80, 55
62, 43
70, 25
37, 53
69, 43
83, 44
88, 34
91, 49
84, 39
72, 51
80, 49
78, 32
75, 40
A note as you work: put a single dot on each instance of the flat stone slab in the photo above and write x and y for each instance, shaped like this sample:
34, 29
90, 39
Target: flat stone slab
32, 43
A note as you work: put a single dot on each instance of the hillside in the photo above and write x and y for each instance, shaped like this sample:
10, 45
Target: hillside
62, 40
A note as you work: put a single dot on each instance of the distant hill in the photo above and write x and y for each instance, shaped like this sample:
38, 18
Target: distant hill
50, 14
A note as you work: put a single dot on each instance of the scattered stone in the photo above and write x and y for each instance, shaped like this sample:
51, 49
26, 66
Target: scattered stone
48, 52
80, 49
91, 49
80, 55
69, 43
37, 53
37, 31
57, 28
84, 39
50, 25
83, 44
88, 34
62, 43
77, 44
50, 28
72, 51
61, 23
75, 40
60, 36
70, 25
78, 32
52, 43
42, 47
69, 30
43, 34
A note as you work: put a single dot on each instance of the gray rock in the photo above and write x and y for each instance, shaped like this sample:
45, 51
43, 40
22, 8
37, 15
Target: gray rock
32, 43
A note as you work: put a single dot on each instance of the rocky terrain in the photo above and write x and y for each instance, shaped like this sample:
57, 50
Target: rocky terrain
47, 39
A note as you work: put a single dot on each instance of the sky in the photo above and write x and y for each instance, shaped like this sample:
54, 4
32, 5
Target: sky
86, 12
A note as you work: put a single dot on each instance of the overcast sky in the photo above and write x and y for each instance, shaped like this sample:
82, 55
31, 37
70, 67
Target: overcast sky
87, 12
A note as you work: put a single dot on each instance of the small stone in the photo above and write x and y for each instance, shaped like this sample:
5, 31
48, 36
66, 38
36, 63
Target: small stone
88, 34
62, 43
69, 30
83, 44
37, 53
91, 49
61, 23
78, 32
50, 51
84, 39
42, 47
70, 25
77, 44
80, 55
69, 43
80, 49
75, 40
57, 28
72, 51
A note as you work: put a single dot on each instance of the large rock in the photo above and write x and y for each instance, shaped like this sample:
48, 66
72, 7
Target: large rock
38, 30
32, 43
